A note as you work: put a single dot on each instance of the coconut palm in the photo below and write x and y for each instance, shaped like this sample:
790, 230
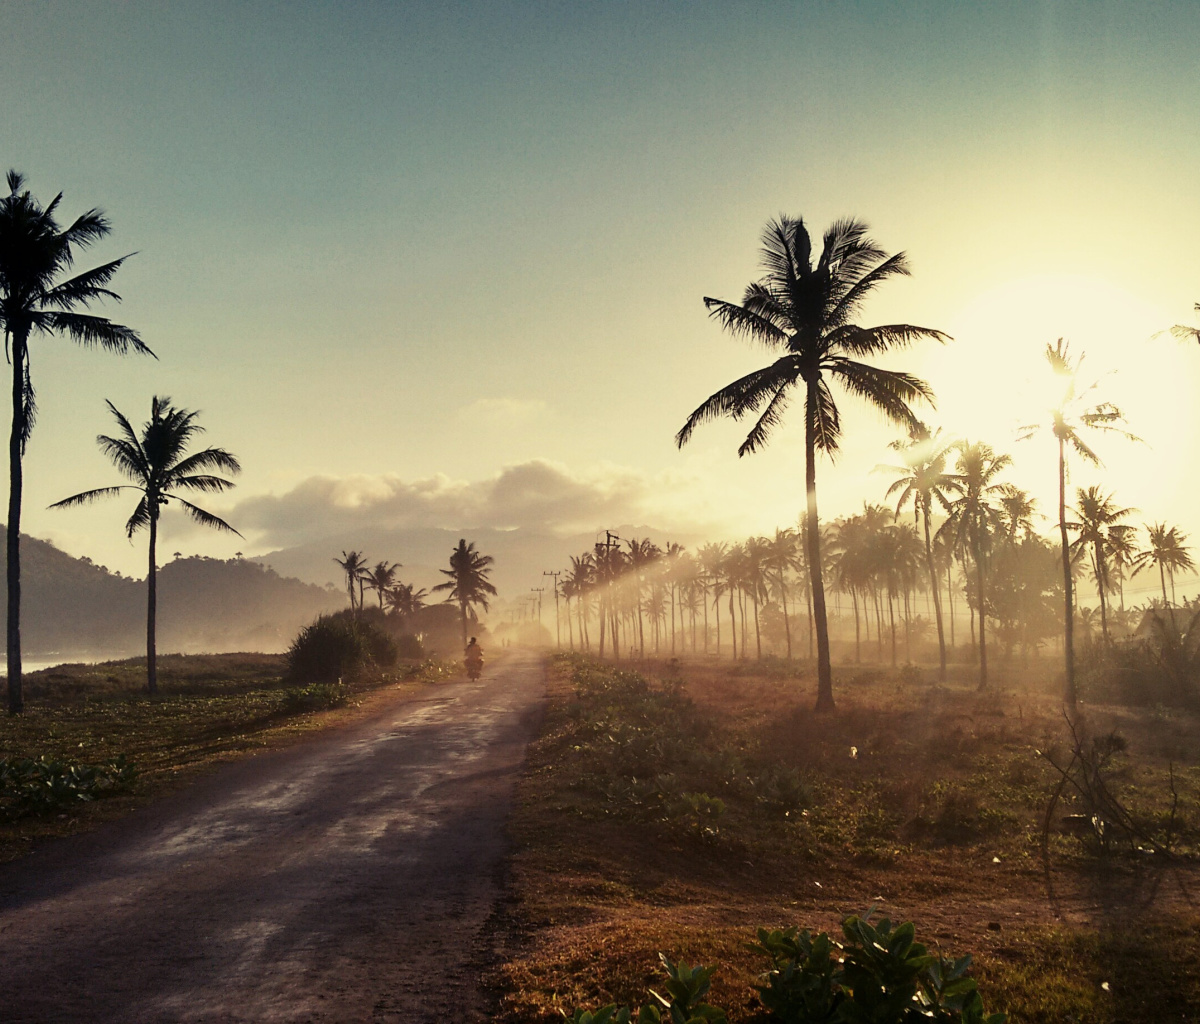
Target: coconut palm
158, 464
381, 579
354, 564
1017, 510
1168, 552
973, 518
405, 600
1075, 413
468, 584
923, 480
38, 297
1185, 333
781, 559
804, 312
1121, 544
1097, 515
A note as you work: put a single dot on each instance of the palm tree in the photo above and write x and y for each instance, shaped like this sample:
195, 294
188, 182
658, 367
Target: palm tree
1168, 552
1017, 510
468, 583
35, 254
1072, 415
405, 600
924, 480
1122, 549
354, 564
1185, 333
805, 313
973, 518
381, 579
781, 557
157, 462
1097, 516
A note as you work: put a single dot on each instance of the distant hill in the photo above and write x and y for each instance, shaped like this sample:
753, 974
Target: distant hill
73, 609
521, 555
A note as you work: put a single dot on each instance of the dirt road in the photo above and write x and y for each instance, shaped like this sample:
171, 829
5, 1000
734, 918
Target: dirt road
349, 878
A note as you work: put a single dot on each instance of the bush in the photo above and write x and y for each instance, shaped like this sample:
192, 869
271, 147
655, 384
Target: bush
337, 647
45, 785
878, 975
316, 697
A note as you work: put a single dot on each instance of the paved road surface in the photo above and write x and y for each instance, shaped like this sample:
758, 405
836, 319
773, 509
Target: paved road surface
348, 878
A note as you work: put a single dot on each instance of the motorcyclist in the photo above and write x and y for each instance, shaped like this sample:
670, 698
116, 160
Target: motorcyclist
473, 657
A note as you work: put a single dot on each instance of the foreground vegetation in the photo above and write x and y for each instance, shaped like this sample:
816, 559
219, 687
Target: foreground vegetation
82, 720
677, 809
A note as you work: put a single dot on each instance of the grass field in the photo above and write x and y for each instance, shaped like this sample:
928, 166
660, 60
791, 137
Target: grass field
678, 809
210, 709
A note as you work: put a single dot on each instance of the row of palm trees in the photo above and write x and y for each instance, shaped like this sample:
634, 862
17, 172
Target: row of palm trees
803, 310
467, 585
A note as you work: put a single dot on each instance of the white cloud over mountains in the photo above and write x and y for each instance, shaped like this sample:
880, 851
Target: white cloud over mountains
534, 495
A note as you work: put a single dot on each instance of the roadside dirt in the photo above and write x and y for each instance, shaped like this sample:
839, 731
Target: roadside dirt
348, 878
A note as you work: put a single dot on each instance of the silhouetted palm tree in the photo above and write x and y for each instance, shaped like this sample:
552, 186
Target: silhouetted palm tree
468, 581
381, 579
923, 481
1072, 415
405, 600
1097, 515
973, 518
157, 462
804, 311
1168, 552
354, 564
1017, 510
36, 296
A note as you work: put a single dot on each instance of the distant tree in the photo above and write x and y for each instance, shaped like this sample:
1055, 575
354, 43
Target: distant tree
1017, 510
805, 311
1075, 413
381, 579
974, 518
405, 600
468, 581
1185, 333
353, 564
157, 462
37, 296
1167, 551
1098, 514
924, 481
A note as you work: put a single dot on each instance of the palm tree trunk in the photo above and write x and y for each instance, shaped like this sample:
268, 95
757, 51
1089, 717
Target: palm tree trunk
857, 632
733, 624
892, 622
787, 625
1069, 624
983, 673
463, 609
16, 703
813, 537
152, 601
757, 635
1098, 557
937, 600
950, 597
704, 601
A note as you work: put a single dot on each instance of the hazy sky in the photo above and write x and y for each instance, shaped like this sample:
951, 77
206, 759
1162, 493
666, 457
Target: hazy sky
443, 263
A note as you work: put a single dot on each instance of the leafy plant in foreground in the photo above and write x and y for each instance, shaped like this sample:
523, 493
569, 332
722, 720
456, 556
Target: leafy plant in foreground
45, 785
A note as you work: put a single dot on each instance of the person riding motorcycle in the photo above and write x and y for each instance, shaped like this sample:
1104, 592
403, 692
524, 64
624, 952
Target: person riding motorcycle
473, 659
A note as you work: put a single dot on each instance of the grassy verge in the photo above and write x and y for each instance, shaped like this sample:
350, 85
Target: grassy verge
678, 809
211, 708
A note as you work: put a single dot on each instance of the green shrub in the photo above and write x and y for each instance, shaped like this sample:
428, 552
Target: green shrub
316, 697
43, 786
338, 647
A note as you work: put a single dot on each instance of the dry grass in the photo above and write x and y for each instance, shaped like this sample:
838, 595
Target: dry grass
926, 801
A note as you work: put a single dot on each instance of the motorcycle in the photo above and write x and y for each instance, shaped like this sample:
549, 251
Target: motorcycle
474, 668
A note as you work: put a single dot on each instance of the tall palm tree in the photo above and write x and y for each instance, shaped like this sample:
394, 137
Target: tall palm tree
468, 581
157, 462
1097, 515
1075, 413
38, 295
1121, 545
381, 579
973, 518
1017, 510
923, 480
354, 564
1168, 552
781, 559
805, 312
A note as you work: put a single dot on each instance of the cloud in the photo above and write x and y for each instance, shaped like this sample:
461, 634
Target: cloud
498, 412
536, 495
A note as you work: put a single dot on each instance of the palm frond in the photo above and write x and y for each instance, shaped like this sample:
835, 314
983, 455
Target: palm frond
202, 517
742, 396
90, 331
127, 456
849, 299
210, 458
85, 287
827, 422
741, 322
766, 422
140, 517
201, 482
87, 497
865, 341
888, 390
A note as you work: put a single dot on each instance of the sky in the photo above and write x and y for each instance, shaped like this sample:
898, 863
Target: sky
443, 264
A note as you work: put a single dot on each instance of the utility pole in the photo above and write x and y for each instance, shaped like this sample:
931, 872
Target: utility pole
538, 592
557, 621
